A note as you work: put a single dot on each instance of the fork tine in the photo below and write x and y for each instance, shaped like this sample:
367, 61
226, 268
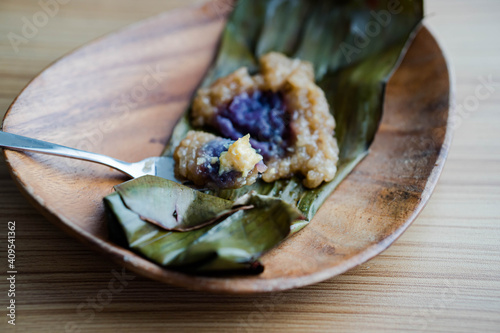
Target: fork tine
164, 168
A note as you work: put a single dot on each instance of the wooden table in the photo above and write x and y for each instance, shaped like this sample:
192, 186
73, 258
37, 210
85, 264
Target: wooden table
442, 275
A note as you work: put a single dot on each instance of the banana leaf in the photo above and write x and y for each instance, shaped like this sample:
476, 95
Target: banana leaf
172, 206
354, 46
233, 244
352, 59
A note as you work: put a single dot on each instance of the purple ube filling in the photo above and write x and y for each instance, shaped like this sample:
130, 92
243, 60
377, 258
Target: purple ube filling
263, 115
211, 170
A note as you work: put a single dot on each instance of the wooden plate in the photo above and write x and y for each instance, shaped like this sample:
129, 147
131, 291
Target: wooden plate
121, 96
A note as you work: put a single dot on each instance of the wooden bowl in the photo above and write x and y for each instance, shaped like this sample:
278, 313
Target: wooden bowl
121, 96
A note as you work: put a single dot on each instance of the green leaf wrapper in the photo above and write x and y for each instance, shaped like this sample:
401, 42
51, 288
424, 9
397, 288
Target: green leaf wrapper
171, 206
354, 47
235, 243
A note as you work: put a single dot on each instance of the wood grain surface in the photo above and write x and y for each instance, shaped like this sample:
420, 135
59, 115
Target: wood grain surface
442, 275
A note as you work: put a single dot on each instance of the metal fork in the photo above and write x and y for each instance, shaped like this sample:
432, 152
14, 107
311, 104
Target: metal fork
156, 166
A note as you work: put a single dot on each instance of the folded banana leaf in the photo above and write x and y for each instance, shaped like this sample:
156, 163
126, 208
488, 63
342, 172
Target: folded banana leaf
234, 243
354, 47
172, 206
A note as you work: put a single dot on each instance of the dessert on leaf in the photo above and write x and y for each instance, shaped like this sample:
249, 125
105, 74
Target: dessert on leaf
285, 113
208, 160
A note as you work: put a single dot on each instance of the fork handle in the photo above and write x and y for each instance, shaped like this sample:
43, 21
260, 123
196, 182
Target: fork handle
22, 143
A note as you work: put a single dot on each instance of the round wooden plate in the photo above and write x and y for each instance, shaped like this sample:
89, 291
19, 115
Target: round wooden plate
121, 96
